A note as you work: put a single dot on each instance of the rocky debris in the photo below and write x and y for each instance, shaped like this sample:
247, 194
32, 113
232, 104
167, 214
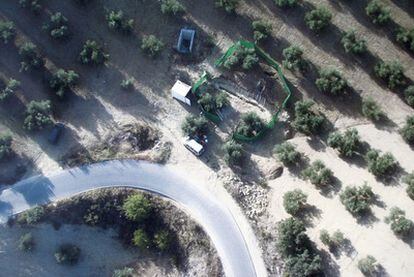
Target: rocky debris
275, 172
139, 137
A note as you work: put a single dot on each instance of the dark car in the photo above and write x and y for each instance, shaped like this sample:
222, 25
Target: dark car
56, 133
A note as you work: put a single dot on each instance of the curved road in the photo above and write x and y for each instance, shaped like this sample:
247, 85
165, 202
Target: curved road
215, 218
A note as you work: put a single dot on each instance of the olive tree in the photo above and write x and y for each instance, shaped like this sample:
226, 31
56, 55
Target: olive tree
353, 44
57, 27
381, 165
333, 241
251, 125
307, 119
378, 13
391, 72
409, 95
368, 265
318, 19
229, 6
8, 89
347, 143
293, 58
172, 7
400, 225
195, 126
233, 153
261, 30
37, 115
294, 201
30, 57
286, 3
318, 174
5, 145
371, 109
357, 200
151, 45
117, 21
406, 37
287, 154
32, 5
407, 132
409, 180
331, 81
62, 80
92, 53
7, 31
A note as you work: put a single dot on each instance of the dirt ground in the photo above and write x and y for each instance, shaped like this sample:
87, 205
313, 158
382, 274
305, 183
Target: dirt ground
98, 107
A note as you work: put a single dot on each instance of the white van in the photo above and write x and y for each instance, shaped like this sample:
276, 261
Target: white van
194, 147
181, 91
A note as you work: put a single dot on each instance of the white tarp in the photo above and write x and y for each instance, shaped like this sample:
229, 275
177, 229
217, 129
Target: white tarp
180, 92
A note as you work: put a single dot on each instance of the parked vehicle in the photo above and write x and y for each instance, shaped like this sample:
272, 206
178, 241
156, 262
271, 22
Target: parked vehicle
56, 133
194, 147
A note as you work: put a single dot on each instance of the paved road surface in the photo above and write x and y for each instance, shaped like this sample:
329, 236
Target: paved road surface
201, 204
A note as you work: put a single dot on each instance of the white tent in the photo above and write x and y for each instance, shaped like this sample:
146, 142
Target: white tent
180, 91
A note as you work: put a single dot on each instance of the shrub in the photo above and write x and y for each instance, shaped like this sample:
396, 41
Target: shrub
92, 53
407, 131
9, 89
352, 44
286, 3
292, 58
152, 45
26, 242
234, 153
127, 84
137, 207
5, 145
141, 239
304, 264
357, 200
162, 240
318, 18
400, 225
125, 272
67, 254
391, 72
287, 153
172, 7
292, 239
31, 216
347, 144
261, 30
330, 81
37, 115
334, 241
306, 120
195, 126
318, 174
207, 102
409, 180
251, 125
229, 6
222, 100
57, 26
409, 95
294, 201
380, 165
247, 56
62, 81
368, 265
29, 56
371, 109
117, 21
32, 5
378, 13
7, 31
406, 37
249, 61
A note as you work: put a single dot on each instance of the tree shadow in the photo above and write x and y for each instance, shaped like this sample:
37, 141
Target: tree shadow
406, 5
366, 219
36, 190
330, 267
309, 214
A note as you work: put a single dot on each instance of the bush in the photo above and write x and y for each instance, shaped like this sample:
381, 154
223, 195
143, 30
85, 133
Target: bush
400, 225
357, 200
222, 100
7, 31
162, 240
334, 241
261, 30
234, 153
286, 3
67, 254
37, 115
378, 13
229, 6
306, 120
5, 145
62, 81
117, 21
368, 265
407, 132
292, 58
141, 239
9, 89
251, 125
57, 26
409, 95
32, 5
172, 7
246, 56
29, 56
347, 144
352, 44
304, 264
195, 126
152, 45
249, 61
380, 165
26, 242
371, 109
92, 53
292, 239
287, 154
318, 18
125, 272
409, 180
406, 37
294, 201
318, 174
137, 207
391, 72
330, 81
207, 102
31, 216
127, 84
